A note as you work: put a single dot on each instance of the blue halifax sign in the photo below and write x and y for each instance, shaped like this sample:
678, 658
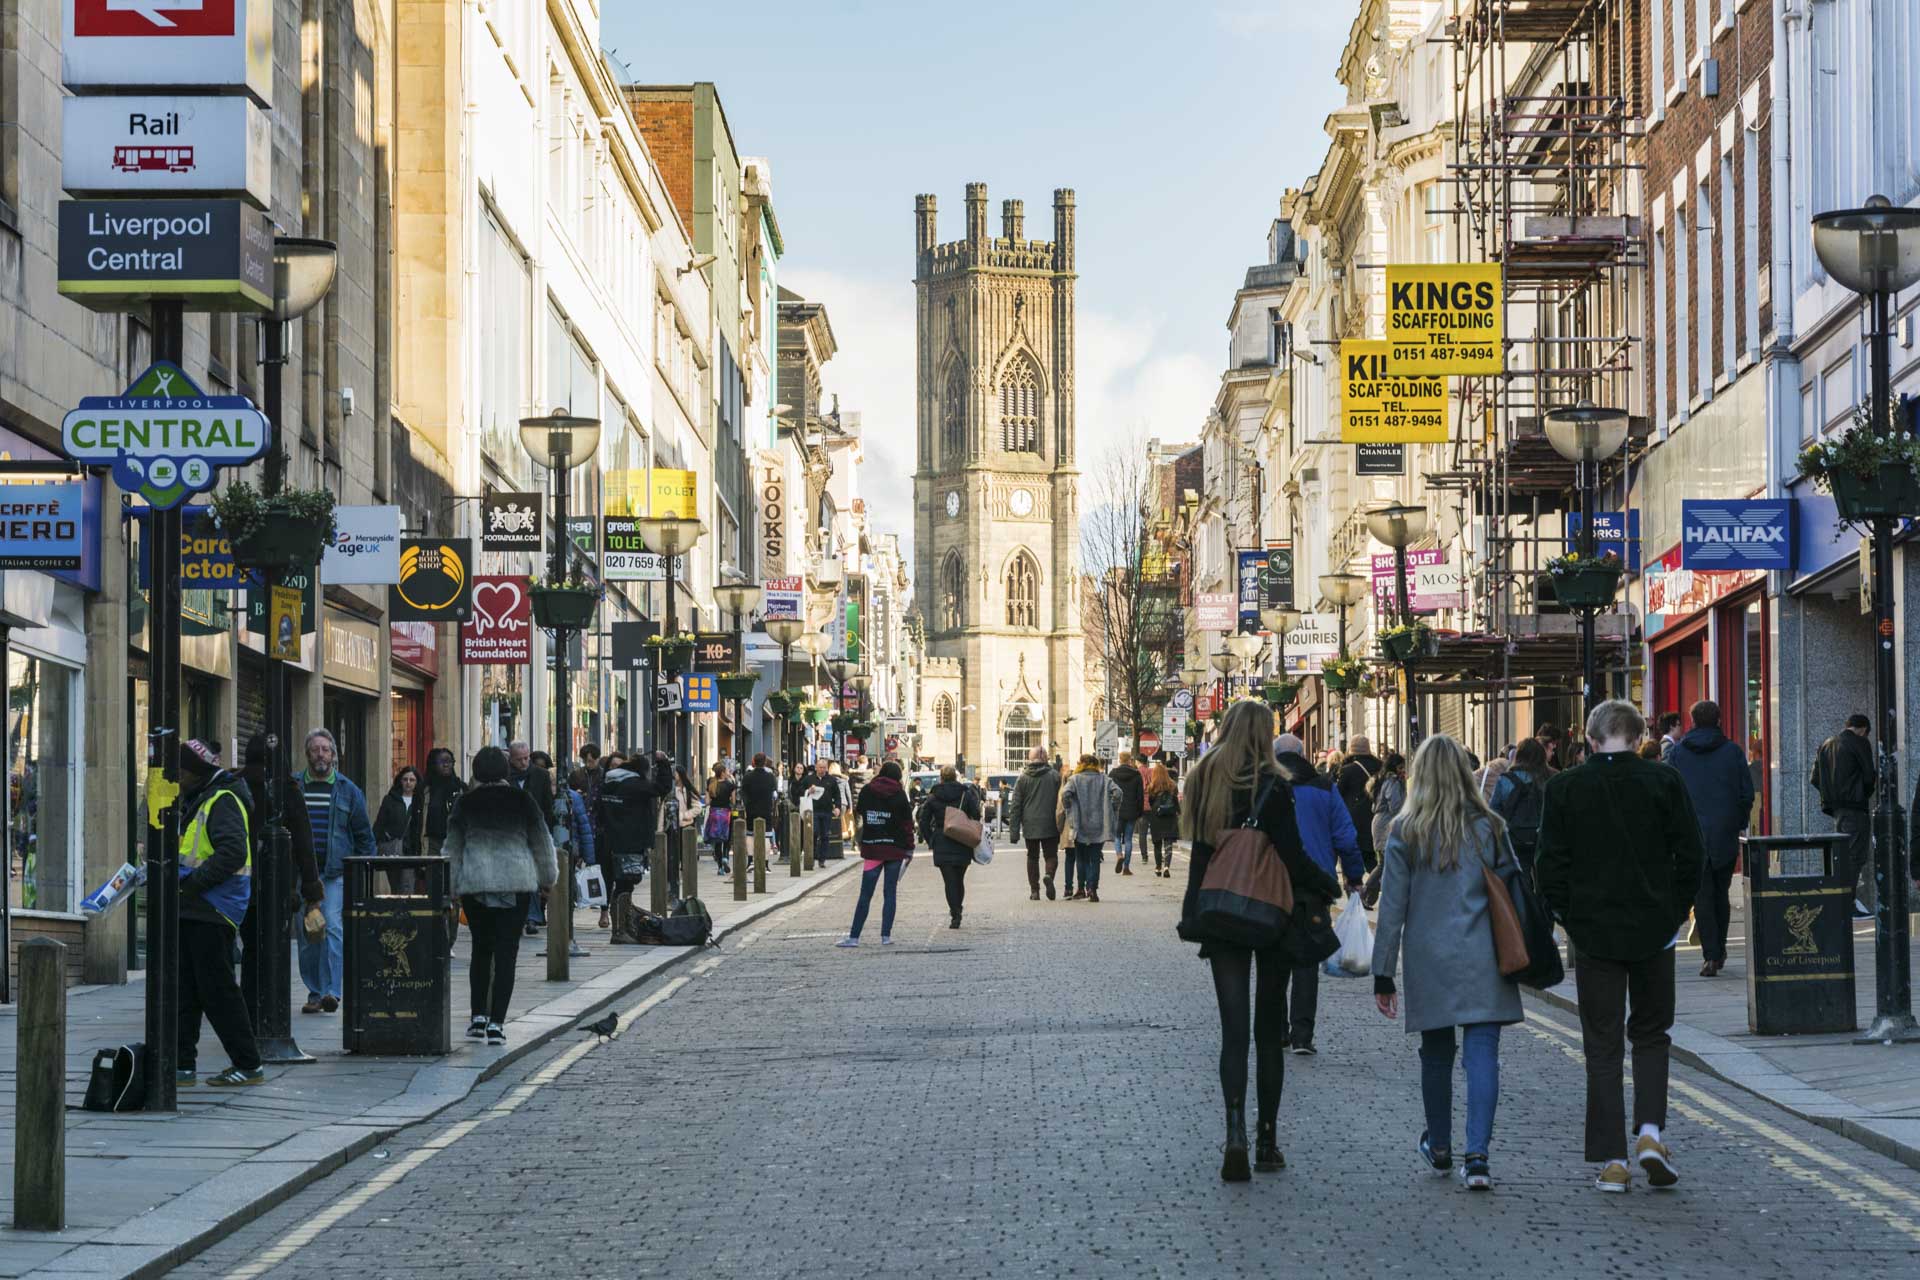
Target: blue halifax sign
1725, 534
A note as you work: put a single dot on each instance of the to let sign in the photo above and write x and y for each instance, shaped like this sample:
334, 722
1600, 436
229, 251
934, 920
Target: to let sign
216, 254
205, 44
627, 558
148, 145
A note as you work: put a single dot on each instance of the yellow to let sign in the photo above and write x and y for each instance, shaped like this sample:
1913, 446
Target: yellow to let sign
1377, 407
676, 493
1445, 318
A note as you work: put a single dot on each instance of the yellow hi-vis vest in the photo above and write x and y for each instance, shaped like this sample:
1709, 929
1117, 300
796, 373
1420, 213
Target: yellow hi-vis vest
230, 896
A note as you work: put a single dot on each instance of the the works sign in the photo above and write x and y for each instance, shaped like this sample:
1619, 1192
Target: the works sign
1721, 534
216, 254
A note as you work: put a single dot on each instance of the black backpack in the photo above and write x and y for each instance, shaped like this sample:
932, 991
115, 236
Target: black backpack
1522, 807
119, 1079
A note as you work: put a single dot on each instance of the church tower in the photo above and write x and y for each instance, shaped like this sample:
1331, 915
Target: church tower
996, 492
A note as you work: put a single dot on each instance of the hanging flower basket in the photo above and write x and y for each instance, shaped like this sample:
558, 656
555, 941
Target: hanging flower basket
1398, 644
1280, 693
676, 652
287, 530
862, 729
1893, 490
1868, 475
781, 703
1342, 675
738, 686
1585, 582
817, 715
564, 606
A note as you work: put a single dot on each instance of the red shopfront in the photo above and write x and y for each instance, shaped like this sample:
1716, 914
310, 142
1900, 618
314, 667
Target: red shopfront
1707, 635
416, 663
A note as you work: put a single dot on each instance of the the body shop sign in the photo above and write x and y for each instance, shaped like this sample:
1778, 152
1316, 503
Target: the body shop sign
205, 44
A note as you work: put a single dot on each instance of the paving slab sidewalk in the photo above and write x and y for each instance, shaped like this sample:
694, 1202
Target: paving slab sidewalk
146, 1190
1869, 1093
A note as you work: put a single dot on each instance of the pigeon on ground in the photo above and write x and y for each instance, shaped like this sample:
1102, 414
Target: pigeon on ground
605, 1027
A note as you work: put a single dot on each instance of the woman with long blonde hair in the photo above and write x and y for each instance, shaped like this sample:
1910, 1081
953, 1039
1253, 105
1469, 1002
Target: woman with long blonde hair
1238, 783
1434, 907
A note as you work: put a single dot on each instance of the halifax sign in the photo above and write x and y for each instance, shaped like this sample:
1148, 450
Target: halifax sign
1725, 534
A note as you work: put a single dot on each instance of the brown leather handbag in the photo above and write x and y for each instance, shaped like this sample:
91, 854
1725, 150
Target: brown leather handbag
1509, 939
1246, 898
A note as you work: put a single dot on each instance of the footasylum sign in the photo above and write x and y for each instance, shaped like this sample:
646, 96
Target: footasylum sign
1721, 533
163, 436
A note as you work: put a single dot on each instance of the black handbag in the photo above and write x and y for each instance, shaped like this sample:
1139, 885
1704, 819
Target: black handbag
119, 1079
1310, 937
1536, 925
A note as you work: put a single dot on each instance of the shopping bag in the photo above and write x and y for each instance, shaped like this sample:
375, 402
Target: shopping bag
983, 852
590, 887
1355, 956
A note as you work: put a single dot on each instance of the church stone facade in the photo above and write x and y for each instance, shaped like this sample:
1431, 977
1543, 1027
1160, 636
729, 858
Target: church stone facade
996, 491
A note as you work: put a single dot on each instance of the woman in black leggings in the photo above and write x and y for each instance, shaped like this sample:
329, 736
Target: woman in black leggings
952, 856
1239, 784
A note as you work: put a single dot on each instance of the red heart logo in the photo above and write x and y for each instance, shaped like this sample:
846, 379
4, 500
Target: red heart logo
495, 604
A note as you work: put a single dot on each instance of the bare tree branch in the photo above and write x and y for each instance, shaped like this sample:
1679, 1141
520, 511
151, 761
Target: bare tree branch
1121, 599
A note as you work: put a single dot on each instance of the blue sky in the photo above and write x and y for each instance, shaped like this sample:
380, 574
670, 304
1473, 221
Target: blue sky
1177, 125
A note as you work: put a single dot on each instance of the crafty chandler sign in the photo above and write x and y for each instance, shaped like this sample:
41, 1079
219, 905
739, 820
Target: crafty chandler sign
163, 436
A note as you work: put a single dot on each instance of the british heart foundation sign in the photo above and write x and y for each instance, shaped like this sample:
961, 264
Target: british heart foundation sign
500, 630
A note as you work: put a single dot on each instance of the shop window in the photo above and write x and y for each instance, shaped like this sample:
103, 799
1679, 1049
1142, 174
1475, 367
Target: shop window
42, 775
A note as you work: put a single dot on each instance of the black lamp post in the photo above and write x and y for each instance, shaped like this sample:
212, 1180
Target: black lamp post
784, 631
560, 442
739, 598
1342, 591
839, 669
1875, 251
1400, 526
670, 537
303, 271
1584, 434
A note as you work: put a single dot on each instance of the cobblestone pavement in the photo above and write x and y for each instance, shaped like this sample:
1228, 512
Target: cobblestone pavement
1035, 1095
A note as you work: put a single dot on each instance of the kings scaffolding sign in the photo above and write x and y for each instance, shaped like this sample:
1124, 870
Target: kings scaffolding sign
164, 438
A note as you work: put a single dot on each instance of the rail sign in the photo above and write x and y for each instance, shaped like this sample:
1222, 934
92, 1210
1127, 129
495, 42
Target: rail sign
1382, 407
162, 145
163, 436
215, 254
205, 44
1445, 318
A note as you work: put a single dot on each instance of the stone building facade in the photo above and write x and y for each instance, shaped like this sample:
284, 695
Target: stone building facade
996, 488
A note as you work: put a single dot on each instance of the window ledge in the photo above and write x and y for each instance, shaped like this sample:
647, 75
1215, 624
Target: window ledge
1724, 25
30, 913
1678, 90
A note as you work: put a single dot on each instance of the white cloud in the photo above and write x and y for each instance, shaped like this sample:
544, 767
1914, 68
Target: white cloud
1134, 382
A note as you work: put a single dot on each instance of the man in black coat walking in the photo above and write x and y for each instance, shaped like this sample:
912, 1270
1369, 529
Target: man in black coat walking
1720, 784
629, 809
1355, 774
1844, 774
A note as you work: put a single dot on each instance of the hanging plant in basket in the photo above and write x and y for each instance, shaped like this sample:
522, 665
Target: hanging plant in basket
1867, 475
1407, 640
1280, 693
738, 686
287, 530
563, 604
676, 652
782, 702
1343, 674
817, 715
862, 729
1585, 582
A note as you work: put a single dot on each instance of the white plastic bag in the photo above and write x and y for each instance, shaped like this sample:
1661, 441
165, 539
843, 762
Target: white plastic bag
1355, 956
590, 887
983, 852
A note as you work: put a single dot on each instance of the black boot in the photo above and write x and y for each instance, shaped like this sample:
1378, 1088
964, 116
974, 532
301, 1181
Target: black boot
1233, 1168
1266, 1150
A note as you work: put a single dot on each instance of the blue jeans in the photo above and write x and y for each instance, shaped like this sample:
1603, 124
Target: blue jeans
1123, 844
320, 961
1089, 859
1480, 1059
890, 872
1072, 861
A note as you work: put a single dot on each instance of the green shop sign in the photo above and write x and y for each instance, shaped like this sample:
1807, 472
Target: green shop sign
164, 437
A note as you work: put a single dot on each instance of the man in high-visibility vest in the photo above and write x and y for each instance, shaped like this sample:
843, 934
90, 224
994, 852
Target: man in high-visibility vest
216, 866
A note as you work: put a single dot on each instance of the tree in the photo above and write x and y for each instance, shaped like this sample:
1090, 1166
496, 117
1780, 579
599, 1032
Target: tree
1125, 600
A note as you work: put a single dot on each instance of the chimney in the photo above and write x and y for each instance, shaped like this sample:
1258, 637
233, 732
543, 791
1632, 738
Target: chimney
976, 212
1013, 220
924, 209
1063, 229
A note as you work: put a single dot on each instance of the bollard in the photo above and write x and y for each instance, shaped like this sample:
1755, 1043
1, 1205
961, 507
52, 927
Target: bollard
657, 876
759, 855
690, 863
40, 1089
739, 860
802, 833
806, 846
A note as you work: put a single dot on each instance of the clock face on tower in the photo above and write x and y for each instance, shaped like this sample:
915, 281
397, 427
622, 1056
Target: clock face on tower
953, 503
1020, 502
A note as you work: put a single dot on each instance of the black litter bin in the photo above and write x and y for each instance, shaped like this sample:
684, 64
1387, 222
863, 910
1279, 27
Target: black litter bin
1799, 935
399, 958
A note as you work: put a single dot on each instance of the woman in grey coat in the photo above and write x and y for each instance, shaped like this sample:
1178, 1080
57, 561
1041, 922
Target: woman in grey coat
501, 853
1433, 905
1088, 801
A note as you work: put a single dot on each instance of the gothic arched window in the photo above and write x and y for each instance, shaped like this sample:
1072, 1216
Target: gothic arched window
1020, 408
943, 713
953, 591
953, 417
1023, 592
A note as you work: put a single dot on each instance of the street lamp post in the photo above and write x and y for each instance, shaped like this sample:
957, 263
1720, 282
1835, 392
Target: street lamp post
560, 442
303, 272
784, 631
1584, 434
839, 669
670, 537
738, 598
1342, 591
815, 643
1875, 251
1400, 526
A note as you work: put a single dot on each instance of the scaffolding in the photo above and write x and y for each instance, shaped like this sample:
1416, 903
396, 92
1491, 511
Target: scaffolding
1546, 182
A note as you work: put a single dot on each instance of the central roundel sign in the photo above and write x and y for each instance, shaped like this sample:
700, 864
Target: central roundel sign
164, 437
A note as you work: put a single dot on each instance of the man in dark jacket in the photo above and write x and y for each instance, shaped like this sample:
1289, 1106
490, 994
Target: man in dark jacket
1126, 811
629, 810
1844, 774
1355, 775
1030, 816
1326, 831
1619, 865
216, 864
264, 925
440, 791
760, 793
1720, 784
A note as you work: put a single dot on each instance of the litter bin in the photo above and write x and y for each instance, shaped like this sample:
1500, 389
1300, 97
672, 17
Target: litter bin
398, 970
1799, 935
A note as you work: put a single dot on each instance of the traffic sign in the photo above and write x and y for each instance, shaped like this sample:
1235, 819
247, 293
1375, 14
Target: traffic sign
1183, 699
1149, 742
666, 697
1106, 738
164, 437
1444, 318
1380, 405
